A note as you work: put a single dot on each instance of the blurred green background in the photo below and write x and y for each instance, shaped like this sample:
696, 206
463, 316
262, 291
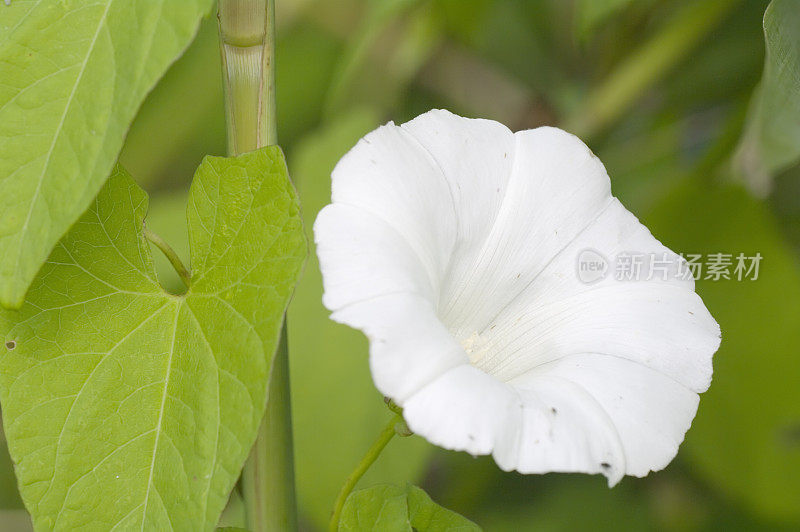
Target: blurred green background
665, 92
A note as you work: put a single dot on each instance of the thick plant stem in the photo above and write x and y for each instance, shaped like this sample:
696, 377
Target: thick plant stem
384, 438
268, 475
647, 65
247, 43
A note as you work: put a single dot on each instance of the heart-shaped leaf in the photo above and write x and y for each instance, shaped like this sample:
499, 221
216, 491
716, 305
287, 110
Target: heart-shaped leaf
129, 407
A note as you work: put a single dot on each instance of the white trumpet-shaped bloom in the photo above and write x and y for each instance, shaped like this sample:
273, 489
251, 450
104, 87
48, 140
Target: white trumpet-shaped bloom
454, 245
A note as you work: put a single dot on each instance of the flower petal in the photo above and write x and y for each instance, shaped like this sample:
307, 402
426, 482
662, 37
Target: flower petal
650, 411
453, 244
475, 158
556, 189
364, 257
560, 427
463, 410
548, 424
389, 175
392, 231
408, 346
661, 324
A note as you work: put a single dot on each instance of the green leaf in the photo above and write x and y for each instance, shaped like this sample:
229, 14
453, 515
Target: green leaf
73, 74
392, 508
333, 389
343, 371
744, 439
125, 406
771, 141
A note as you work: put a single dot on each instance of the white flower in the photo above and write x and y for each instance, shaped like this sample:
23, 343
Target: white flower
452, 244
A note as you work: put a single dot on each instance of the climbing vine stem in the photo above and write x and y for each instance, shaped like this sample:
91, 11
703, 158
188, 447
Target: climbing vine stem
247, 45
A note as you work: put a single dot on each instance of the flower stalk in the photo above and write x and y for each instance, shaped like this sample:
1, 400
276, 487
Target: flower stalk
247, 46
383, 440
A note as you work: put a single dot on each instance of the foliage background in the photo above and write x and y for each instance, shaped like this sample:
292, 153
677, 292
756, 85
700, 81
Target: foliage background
345, 67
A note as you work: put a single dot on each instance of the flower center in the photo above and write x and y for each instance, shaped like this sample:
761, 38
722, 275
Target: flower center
475, 347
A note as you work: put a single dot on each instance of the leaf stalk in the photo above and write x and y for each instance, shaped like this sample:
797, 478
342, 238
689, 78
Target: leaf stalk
184, 272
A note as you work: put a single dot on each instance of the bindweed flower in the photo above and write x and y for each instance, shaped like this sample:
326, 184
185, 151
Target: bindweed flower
453, 244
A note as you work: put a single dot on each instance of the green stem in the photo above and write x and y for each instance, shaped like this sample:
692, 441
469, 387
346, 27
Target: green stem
247, 45
268, 475
384, 438
166, 249
647, 65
